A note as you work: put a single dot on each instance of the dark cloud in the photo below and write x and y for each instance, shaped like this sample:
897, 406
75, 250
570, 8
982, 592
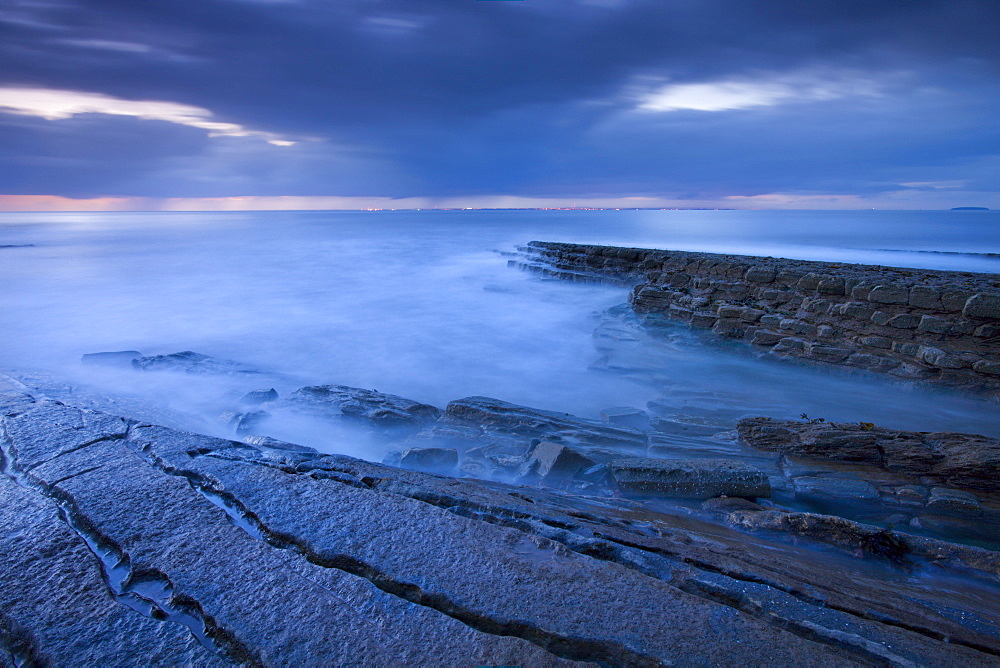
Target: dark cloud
450, 97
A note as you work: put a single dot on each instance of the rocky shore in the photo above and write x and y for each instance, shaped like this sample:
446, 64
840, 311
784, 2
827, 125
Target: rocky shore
686, 532
935, 327
500, 535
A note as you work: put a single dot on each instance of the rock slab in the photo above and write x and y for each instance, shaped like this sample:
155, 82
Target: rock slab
688, 478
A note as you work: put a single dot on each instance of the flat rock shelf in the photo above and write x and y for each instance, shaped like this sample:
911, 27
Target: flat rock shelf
124, 543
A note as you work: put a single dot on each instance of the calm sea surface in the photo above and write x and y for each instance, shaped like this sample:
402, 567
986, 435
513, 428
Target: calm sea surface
420, 304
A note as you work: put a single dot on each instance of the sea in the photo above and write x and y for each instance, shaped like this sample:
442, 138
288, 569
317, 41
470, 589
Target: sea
423, 304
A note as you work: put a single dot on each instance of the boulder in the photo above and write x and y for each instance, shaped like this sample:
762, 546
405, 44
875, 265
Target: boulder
193, 363
503, 417
964, 461
554, 464
688, 478
432, 460
382, 410
257, 397
953, 502
119, 358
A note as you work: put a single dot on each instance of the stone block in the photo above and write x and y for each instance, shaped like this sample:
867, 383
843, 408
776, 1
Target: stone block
987, 331
809, 282
679, 280
872, 362
904, 321
760, 275
828, 353
889, 294
251, 423
923, 296
771, 320
831, 285
790, 344
730, 311
432, 460
816, 305
778, 296
906, 348
932, 325
688, 479
963, 328
257, 397
876, 342
765, 338
679, 313
881, 318
751, 314
911, 495
730, 328
788, 277
954, 300
798, 326
861, 291
942, 359
982, 306
555, 463
954, 502
990, 367
703, 319
702, 283
859, 311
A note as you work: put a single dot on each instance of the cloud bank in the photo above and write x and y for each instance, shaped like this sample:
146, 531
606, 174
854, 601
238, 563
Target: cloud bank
725, 101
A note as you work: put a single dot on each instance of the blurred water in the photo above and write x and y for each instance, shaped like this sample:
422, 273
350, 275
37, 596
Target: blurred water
419, 304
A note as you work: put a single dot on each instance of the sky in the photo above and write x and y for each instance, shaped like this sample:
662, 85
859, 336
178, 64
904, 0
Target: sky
314, 104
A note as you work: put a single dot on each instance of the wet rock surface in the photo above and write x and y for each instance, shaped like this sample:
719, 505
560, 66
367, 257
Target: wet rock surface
373, 407
192, 363
118, 358
937, 327
689, 479
126, 543
964, 461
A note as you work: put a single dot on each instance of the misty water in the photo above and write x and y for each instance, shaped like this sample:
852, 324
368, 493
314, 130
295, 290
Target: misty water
422, 304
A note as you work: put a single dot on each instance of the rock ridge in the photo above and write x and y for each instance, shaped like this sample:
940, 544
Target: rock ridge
937, 327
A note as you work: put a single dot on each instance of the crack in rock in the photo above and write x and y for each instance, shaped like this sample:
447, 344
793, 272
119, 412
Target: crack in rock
603, 652
149, 593
649, 562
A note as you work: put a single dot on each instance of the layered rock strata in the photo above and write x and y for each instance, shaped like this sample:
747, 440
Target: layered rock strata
964, 461
126, 543
931, 326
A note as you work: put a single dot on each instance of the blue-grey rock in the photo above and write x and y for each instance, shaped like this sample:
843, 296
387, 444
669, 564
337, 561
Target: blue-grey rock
258, 397
119, 358
378, 409
192, 363
688, 478
626, 416
432, 460
244, 558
